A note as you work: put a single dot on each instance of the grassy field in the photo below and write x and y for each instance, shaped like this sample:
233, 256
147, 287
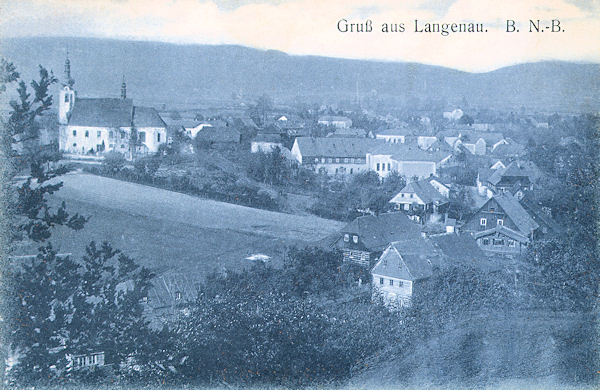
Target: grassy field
169, 231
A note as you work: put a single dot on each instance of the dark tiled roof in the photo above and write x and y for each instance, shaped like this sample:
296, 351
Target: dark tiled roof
219, 134
376, 232
536, 211
513, 169
407, 265
276, 138
516, 213
502, 230
147, 117
102, 112
335, 147
460, 249
425, 191
348, 132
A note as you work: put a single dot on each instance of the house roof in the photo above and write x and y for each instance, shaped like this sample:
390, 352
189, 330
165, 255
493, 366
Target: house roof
536, 211
483, 174
460, 249
276, 138
411, 265
504, 231
439, 146
376, 232
219, 134
404, 152
489, 138
348, 132
402, 131
513, 169
424, 190
513, 209
147, 117
102, 112
335, 147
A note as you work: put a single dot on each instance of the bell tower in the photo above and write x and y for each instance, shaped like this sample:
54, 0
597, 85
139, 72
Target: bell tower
67, 95
123, 89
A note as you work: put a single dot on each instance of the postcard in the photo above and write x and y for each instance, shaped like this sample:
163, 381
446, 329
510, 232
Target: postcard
321, 194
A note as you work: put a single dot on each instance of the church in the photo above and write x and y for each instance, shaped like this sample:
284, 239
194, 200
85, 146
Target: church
97, 125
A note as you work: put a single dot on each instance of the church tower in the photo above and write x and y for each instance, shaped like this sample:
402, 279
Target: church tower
67, 95
123, 89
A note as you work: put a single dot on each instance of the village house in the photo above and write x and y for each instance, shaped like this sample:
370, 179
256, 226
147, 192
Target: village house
364, 239
219, 137
265, 143
420, 200
333, 156
502, 225
335, 121
477, 143
402, 271
516, 177
95, 125
407, 160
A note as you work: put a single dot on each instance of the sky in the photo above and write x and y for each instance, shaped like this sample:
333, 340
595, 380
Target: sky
310, 27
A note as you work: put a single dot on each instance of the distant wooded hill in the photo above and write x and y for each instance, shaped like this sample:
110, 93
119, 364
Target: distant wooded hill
188, 75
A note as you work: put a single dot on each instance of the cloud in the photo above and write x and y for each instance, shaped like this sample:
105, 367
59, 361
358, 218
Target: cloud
309, 27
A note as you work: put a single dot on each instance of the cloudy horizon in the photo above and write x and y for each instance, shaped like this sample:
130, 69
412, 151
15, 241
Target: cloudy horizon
309, 27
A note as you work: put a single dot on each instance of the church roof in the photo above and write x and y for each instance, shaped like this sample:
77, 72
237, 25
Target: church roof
147, 117
102, 112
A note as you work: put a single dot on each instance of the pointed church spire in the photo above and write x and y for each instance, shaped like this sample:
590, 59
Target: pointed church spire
68, 79
123, 89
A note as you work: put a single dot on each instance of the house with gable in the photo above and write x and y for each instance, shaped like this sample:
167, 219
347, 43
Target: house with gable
333, 156
402, 271
420, 199
364, 239
407, 160
502, 225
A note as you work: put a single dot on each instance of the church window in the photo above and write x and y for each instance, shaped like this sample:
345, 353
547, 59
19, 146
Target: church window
87, 134
74, 133
380, 280
158, 137
66, 98
98, 134
378, 166
74, 145
389, 167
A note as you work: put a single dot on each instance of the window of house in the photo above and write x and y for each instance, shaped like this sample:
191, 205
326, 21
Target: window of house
483, 222
330, 160
391, 282
346, 160
87, 134
378, 166
491, 210
385, 262
512, 243
544, 230
406, 206
316, 159
122, 146
351, 170
74, 133
346, 237
498, 242
337, 160
178, 295
380, 280
158, 137
411, 195
142, 136
389, 167
323, 160
400, 283
352, 160
111, 146
500, 222
111, 134
355, 239
98, 134
485, 241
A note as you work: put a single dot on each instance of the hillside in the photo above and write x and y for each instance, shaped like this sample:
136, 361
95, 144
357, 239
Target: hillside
169, 231
187, 75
